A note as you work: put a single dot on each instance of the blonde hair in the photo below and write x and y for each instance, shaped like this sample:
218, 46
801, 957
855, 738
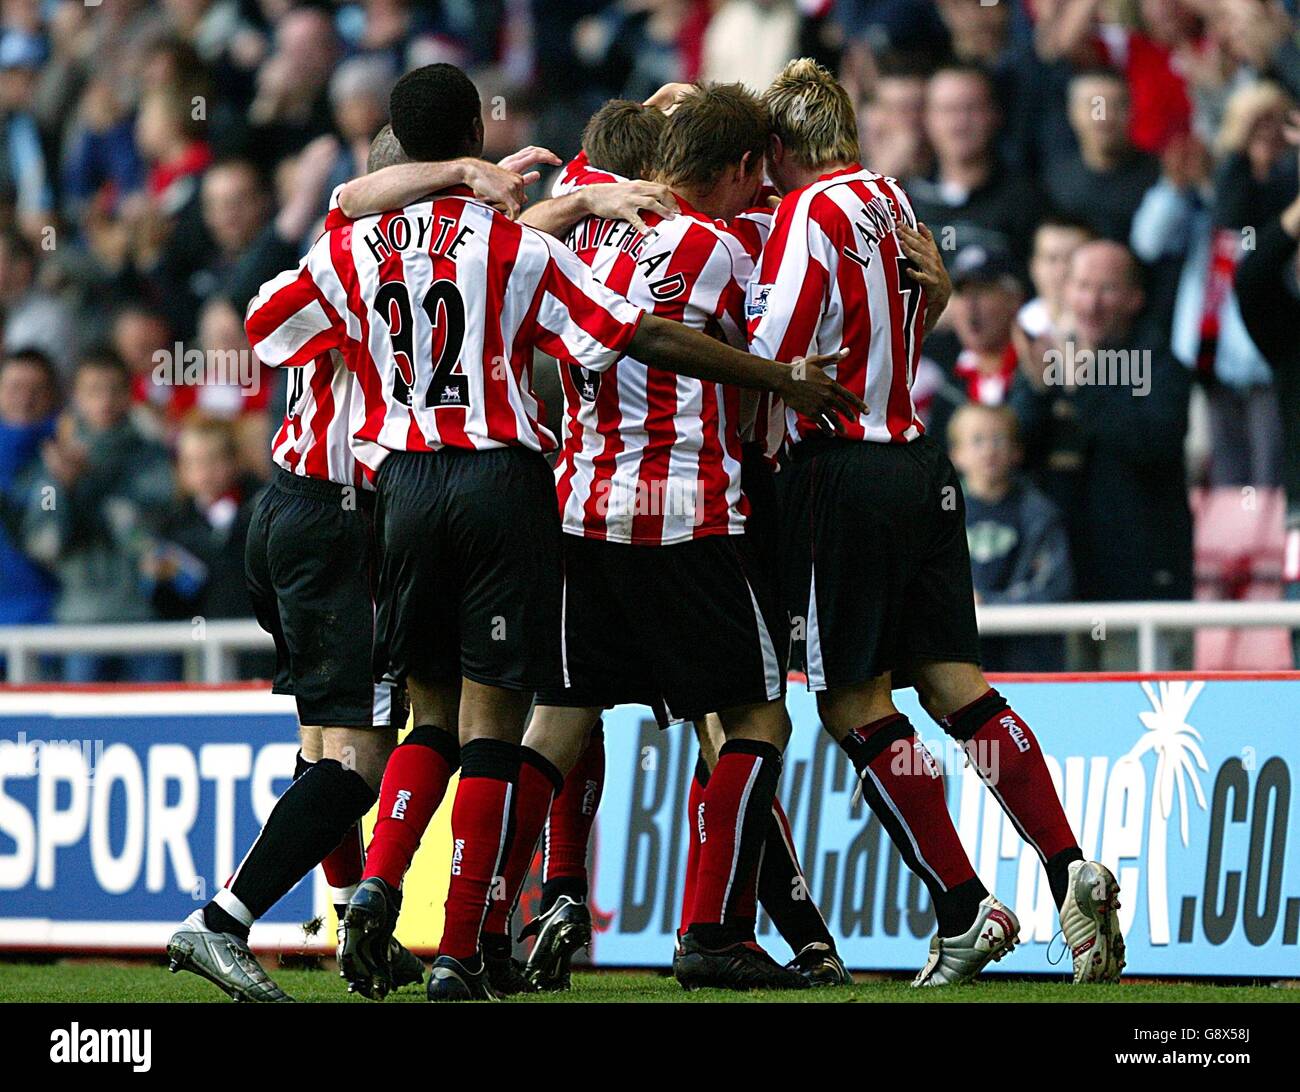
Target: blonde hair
813, 115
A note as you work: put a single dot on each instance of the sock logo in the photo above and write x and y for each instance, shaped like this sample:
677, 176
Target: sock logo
457, 855
589, 798
1016, 731
699, 822
399, 805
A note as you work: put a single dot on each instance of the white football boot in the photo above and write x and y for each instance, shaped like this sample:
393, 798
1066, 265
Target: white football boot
959, 959
1090, 923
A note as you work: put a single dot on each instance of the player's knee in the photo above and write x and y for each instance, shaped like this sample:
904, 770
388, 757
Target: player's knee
364, 750
944, 688
968, 719
766, 723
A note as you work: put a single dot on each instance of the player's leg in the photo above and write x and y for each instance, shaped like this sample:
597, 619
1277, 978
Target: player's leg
603, 664
311, 550
782, 887
502, 539
942, 646
554, 743
868, 509
1006, 754
567, 834
711, 642
414, 783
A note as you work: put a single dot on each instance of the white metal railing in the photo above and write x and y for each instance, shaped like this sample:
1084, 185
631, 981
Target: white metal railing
209, 648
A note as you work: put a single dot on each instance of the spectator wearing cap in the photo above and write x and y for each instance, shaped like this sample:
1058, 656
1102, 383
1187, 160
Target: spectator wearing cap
1018, 546
971, 196
28, 401
1124, 396
977, 353
1104, 180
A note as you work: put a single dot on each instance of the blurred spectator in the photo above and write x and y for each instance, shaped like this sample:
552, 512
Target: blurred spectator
196, 566
978, 353
1018, 547
749, 41
22, 158
291, 106
1103, 182
28, 401
891, 120
33, 316
633, 47
205, 253
1175, 222
1126, 398
171, 139
1270, 307
93, 505
138, 335
971, 197
986, 36
359, 92
1055, 241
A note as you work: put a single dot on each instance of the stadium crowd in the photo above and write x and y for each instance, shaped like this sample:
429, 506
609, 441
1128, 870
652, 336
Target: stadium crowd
1102, 175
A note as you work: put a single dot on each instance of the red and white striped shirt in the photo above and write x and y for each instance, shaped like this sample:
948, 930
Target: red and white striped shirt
579, 172
315, 438
651, 457
832, 276
437, 309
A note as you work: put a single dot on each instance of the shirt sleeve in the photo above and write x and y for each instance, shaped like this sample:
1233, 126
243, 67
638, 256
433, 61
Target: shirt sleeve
788, 294
291, 320
577, 319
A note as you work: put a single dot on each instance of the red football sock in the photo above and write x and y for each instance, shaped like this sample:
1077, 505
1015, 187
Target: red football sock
481, 828
904, 787
693, 804
539, 781
414, 783
573, 811
1006, 754
345, 862
736, 813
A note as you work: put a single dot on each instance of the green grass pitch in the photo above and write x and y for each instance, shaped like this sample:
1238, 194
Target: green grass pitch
91, 981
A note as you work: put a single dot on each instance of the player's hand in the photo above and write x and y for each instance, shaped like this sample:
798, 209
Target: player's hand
498, 186
628, 200
668, 96
810, 391
930, 273
524, 160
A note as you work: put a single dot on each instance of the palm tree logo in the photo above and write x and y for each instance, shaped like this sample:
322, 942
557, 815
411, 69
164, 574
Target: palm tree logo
1178, 755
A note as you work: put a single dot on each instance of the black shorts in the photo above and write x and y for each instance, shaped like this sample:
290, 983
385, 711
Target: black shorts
763, 524
687, 629
875, 561
469, 576
308, 565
